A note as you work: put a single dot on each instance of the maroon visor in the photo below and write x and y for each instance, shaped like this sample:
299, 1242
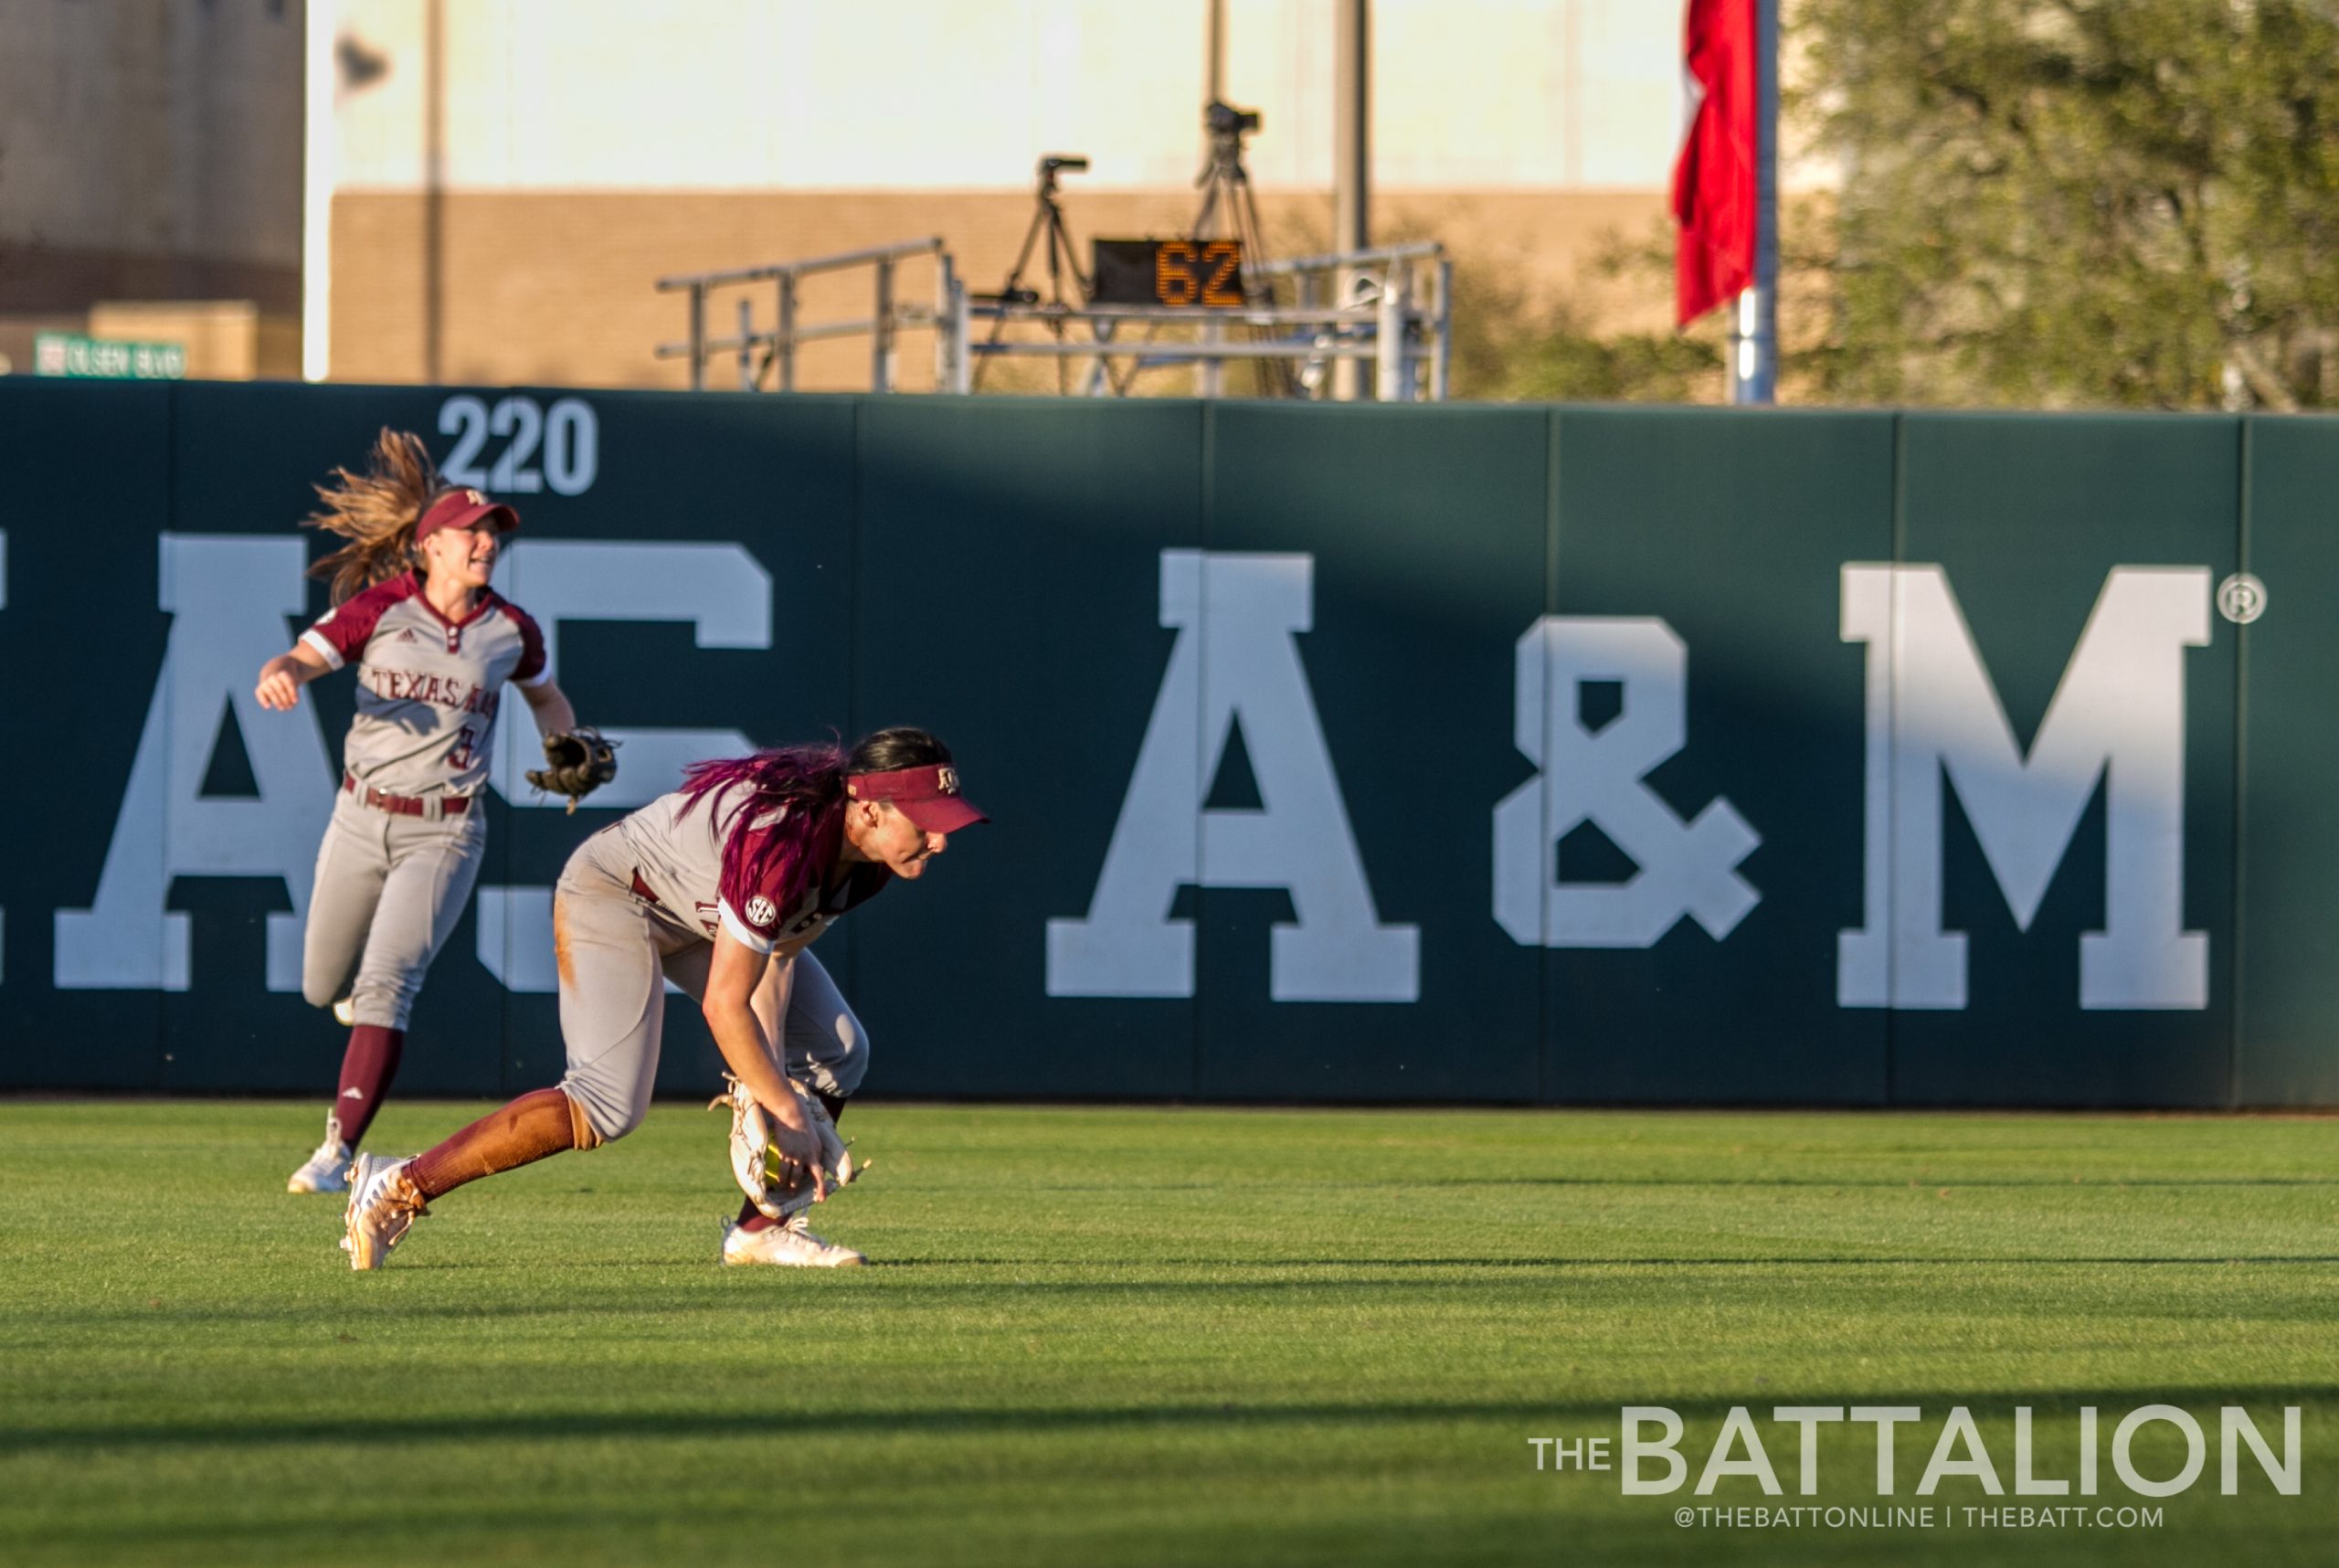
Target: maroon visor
465, 509
929, 796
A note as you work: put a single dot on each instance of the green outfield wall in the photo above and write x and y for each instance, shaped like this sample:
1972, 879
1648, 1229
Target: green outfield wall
1587, 755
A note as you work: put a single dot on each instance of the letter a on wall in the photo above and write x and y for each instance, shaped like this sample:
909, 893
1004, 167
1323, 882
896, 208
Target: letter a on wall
1236, 659
229, 598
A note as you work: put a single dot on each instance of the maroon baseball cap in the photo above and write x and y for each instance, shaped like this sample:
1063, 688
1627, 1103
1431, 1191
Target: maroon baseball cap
929, 796
464, 509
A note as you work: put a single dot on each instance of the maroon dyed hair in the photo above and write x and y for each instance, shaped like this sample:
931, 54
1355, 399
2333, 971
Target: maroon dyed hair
809, 783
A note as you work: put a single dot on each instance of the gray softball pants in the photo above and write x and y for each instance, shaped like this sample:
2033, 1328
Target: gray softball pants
389, 891
613, 955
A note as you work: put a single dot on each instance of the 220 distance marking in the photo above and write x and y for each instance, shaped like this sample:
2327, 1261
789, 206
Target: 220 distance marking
569, 433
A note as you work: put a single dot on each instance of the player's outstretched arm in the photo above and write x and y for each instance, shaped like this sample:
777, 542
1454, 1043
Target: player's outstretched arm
281, 678
734, 975
551, 708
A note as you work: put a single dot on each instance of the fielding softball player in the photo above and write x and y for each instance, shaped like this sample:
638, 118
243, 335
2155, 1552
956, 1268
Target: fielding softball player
433, 646
718, 887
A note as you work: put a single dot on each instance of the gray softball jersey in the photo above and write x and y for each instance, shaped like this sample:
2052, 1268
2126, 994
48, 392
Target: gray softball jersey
696, 865
427, 687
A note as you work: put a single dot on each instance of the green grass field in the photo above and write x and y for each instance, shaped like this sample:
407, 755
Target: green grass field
1116, 1336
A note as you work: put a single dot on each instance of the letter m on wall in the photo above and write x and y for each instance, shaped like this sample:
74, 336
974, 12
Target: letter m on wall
2117, 719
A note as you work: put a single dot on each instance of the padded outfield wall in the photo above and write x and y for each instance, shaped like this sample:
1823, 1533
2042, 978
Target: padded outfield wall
1595, 756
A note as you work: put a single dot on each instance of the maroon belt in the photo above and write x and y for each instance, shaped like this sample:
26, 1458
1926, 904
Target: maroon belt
406, 805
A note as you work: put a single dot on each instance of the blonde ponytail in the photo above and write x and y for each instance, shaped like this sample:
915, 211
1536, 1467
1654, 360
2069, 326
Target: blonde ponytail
376, 512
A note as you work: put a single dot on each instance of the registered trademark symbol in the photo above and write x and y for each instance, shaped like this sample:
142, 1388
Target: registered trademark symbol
2242, 599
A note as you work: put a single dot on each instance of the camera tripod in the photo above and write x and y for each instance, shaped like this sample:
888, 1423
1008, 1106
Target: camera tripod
1225, 182
1229, 205
1047, 229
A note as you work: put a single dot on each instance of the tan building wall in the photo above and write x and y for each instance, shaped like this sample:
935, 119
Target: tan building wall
558, 287
225, 340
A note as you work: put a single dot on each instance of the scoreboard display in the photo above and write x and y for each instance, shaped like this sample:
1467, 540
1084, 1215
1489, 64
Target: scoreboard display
1183, 274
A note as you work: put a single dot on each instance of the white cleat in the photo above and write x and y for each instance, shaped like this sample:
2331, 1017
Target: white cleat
382, 1204
789, 1246
327, 1169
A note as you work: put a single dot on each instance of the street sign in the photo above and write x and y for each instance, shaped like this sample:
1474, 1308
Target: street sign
69, 354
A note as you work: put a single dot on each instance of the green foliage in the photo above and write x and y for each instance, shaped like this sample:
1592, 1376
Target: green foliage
1119, 1337
2077, 202
1504, 348
1568, 362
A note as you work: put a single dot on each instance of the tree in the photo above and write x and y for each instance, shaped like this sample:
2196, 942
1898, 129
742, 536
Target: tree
2073, 202
1564, 360
1508, 347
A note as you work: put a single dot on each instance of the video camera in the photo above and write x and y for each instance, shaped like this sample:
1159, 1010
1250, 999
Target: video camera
1225, 119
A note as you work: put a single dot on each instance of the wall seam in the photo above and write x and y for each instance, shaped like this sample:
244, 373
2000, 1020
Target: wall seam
2240, 840
1545, 1011
1207, 412
1884, 829
856, 718
171, 522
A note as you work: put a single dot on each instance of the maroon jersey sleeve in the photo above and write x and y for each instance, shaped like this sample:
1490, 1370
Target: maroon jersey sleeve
341, 632
748, 904
531, 671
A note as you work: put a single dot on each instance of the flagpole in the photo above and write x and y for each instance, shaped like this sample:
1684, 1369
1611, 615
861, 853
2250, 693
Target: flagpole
1754, 320
1351, 162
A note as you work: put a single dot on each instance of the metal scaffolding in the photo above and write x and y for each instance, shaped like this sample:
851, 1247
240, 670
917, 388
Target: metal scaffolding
1391, 306
773, 350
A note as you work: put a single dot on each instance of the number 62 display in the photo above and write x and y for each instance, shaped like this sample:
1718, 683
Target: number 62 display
1182, 274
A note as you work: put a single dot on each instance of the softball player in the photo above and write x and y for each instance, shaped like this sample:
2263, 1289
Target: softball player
718, 887
433, 645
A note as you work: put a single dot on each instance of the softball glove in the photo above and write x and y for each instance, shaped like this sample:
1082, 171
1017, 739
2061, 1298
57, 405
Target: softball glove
754, 1164
576, 763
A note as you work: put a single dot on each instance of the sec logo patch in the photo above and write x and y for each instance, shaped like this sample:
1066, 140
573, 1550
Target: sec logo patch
760, 911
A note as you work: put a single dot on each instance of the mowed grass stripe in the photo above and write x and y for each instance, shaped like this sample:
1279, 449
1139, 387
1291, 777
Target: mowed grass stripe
1104, 1335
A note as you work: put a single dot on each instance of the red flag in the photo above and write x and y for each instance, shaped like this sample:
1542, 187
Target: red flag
1714, 194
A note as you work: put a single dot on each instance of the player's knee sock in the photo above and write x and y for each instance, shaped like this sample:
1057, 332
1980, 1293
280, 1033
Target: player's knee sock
522, 1132
752, 1219
366, 1069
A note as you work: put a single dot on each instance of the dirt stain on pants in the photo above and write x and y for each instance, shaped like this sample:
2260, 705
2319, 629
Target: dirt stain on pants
560, 942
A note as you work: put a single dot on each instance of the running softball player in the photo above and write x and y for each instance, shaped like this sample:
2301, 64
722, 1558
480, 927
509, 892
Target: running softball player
719, 888
433, 645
